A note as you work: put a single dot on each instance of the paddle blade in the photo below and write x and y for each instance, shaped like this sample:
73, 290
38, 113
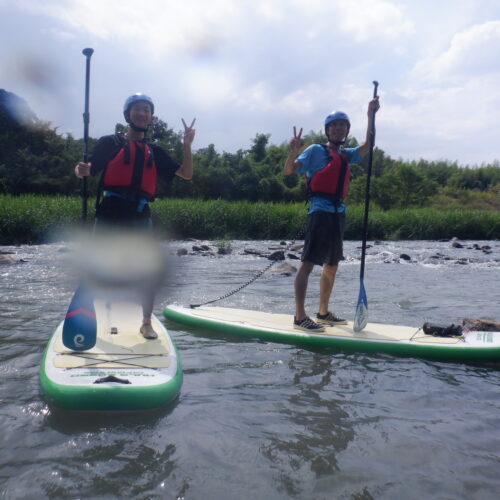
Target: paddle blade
361, 316
80, 328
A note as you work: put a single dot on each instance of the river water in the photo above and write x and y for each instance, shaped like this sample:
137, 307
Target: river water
258, 420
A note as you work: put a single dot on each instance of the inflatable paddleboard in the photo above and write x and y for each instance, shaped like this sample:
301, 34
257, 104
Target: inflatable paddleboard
375, 337
122, 372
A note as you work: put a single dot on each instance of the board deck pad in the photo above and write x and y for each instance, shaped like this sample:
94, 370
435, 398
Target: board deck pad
375, 337
125, 319
284, 323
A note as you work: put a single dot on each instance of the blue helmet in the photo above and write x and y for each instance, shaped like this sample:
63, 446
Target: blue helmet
138, 97
337, 115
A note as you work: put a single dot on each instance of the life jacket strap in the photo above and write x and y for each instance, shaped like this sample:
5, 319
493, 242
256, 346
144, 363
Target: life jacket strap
126, 153
151, 156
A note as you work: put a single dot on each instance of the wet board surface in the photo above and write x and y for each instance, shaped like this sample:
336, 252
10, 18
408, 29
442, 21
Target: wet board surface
376, 337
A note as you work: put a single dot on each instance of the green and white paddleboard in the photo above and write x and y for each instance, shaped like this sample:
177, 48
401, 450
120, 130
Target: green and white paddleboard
122, 372
391, 339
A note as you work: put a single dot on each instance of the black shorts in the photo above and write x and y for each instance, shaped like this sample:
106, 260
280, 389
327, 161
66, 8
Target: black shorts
323, 242
115, 211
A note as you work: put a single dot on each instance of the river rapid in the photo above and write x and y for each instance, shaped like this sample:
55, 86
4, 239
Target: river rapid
259, 420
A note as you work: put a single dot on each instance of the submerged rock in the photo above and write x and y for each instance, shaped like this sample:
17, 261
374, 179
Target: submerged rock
279, 255
201, 248
253, 251
283, 269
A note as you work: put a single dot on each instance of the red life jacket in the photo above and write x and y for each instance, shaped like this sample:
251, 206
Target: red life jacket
332, 180
132, 170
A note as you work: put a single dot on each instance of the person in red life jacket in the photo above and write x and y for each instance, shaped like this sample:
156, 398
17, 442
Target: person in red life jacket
326, 168
129, 168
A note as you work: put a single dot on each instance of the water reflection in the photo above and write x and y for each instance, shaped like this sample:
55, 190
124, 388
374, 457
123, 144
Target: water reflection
315, 424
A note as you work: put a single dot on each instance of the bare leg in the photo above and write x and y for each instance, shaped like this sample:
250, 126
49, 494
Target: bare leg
301, 280
326, 286
147, 310
148, 300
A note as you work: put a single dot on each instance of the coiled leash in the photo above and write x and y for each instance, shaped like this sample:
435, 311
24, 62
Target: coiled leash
256, 277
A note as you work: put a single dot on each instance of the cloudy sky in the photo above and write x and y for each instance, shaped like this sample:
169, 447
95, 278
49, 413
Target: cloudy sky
243, 67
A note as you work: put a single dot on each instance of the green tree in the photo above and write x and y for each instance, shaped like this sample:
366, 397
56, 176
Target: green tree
258, 149
37, 159
34, 158
402, 186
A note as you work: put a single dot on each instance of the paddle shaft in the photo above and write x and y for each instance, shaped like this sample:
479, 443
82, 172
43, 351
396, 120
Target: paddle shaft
86, 120
368, 179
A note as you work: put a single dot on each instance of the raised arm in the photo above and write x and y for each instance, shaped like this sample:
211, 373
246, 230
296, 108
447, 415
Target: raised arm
185, 171
373, 107
291, 164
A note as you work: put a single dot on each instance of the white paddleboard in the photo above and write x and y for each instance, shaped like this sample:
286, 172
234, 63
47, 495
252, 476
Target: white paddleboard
375, 337
123, 371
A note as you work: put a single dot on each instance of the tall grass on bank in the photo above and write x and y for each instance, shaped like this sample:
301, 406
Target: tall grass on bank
425, 224
36, 219
32, 218
234, 220
246, 220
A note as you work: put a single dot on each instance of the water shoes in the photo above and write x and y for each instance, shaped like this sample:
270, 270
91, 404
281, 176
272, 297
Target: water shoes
330, 319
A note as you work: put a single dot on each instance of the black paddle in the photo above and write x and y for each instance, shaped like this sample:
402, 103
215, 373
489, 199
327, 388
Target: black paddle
80, 328
361, 316
86, 119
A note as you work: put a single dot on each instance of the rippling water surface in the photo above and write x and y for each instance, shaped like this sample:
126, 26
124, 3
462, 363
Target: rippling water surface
264, 420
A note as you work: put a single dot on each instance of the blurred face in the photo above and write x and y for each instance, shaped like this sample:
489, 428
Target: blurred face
337, 130
140, 114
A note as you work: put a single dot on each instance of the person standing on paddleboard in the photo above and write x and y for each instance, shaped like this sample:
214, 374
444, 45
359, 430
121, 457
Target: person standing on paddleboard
327, 172
129, 166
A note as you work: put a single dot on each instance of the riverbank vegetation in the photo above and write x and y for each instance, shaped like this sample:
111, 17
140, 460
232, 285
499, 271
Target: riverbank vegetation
38, 219
241, 194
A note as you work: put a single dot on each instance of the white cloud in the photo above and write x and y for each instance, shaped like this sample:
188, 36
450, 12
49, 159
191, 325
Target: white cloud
261, 96
473, 53
210, 88
162, 25
363, 19
455, 123
270, 11
249, 66
60, 34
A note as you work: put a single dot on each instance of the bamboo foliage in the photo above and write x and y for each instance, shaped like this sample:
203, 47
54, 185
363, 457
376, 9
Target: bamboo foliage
37, 219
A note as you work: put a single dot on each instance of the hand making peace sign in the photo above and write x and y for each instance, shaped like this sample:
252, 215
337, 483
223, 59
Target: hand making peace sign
295, 141
189, 132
